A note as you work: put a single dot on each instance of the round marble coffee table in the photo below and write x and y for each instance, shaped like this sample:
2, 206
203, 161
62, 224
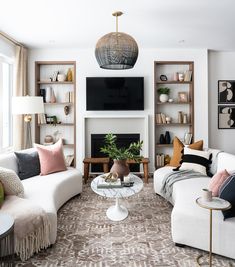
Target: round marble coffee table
118, 212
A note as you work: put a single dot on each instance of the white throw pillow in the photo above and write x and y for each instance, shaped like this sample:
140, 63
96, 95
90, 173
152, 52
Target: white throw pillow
196, 160
11, 182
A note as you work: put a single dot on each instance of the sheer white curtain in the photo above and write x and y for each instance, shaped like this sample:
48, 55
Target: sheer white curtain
20, 89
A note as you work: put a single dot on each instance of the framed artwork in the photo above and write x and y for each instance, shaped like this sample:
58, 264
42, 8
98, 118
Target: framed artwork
183, 97
226, 92
226, 117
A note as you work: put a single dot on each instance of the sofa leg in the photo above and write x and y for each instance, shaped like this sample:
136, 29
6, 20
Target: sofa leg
179, 245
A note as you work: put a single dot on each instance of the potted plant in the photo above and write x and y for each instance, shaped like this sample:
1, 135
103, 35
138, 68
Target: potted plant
120, 155
163, 94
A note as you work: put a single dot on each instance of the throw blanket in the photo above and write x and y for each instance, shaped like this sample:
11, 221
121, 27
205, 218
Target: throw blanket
175, 176
31, 229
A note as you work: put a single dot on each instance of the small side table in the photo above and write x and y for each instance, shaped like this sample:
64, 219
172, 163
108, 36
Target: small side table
6, 240
216, 204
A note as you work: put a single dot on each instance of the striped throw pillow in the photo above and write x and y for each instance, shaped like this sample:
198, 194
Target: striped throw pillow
196, 160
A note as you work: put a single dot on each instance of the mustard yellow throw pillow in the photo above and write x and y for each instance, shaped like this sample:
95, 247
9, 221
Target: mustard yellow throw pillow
177, 150
1, 194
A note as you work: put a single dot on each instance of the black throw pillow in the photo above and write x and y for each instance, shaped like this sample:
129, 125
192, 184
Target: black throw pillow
227, 192
28, 164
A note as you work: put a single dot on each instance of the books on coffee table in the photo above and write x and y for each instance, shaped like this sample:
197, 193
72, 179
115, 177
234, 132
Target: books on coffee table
102, 184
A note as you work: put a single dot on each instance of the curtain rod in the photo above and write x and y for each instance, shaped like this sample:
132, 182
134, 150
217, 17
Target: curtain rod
6, 36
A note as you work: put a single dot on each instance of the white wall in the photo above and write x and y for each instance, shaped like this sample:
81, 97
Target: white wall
221, 67
87, 66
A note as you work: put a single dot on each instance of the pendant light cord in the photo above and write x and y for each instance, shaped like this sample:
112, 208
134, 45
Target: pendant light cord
116, 23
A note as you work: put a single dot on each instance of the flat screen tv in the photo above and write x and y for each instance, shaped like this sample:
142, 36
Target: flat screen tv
115, 93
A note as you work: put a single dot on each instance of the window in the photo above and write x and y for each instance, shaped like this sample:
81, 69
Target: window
6, 85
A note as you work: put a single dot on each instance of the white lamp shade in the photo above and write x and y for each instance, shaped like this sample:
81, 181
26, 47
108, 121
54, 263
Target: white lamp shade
27, 105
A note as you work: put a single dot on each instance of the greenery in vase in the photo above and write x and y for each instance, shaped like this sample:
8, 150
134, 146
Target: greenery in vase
163, 90
111, 149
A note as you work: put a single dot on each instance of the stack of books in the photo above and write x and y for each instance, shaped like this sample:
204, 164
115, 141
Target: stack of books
188, 75
102, 184
69, 97
160, 160
160, 118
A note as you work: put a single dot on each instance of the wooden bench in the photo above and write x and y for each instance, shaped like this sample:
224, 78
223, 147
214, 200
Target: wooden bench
105, 162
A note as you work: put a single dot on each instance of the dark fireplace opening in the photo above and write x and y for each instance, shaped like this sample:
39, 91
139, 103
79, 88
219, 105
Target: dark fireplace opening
123, 140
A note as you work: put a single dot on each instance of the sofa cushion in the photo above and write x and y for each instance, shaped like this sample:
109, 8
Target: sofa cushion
195, 160
177, 151
11, 182
28, 164
227, 193
216, 182
51, 158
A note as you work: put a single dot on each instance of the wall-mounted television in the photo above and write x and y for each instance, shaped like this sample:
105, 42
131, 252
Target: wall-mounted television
115, 93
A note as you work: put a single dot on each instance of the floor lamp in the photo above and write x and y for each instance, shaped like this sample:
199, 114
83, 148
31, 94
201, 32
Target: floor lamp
27, 106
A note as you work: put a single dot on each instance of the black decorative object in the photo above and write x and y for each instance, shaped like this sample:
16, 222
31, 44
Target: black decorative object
226, 117
226, 92
43, 94
162, 139
163, 78
116, 50
167, 137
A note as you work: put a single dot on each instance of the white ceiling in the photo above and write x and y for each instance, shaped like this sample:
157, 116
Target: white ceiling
153, 23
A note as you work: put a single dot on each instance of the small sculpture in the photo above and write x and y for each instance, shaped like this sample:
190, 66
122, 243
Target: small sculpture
66, 110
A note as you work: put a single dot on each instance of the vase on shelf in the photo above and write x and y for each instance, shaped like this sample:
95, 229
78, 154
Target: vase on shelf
180, 117
163, 98
121, 168
53, 98
48, 94
162, 139
167, 137
69, 75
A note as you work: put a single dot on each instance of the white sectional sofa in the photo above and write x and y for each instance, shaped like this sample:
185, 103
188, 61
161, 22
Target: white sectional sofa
189, 222
50, 191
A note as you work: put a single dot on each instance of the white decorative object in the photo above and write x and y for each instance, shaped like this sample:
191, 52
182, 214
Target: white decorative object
170, 100
206, 195
118, 212
126, 179
168, 119
48, 94
181, 77
61, 77
163, 98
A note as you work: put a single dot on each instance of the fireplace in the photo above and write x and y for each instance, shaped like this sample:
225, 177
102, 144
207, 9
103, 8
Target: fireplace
123, 140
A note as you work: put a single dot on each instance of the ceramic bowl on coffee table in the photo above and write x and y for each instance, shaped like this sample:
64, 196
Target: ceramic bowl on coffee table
118, 212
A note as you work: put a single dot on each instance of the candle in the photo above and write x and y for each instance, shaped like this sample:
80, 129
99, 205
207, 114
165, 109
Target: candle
126, 179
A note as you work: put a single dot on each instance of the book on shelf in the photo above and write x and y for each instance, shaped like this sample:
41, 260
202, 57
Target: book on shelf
160, 160
158, 118
163, 116
188, 75
102, 184
42, 118
69, 97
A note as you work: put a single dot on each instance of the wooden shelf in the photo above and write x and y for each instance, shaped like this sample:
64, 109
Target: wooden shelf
62, 103
164, 145
58, 124
175, 103
42, 82
173, 82
173, 124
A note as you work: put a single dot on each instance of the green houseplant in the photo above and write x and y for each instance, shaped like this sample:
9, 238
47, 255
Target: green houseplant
120, 155
163, 94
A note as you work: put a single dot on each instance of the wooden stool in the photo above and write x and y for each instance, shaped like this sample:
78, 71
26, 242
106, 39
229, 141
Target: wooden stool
88, 161
145, 162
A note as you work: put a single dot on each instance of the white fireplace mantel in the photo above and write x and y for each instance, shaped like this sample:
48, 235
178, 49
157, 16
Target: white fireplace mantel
112, 123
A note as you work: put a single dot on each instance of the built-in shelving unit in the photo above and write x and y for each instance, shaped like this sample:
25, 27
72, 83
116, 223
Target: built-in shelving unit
171, 109
66, 128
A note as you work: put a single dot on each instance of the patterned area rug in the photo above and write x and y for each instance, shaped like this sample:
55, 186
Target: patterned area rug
87, 238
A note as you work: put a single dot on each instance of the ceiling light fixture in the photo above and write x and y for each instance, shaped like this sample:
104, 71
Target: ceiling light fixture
116, 50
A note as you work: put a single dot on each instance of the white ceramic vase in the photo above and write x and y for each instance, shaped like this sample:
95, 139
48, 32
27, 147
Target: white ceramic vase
163, 98
48, 94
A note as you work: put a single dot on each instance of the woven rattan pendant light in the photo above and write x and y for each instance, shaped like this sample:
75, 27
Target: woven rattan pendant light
116, 50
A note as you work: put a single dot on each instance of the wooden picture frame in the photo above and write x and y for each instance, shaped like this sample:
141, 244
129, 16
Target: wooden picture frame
183, 97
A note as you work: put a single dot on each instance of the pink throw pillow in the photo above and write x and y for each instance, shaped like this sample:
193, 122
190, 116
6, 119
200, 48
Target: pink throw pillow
216, 181
51, 158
